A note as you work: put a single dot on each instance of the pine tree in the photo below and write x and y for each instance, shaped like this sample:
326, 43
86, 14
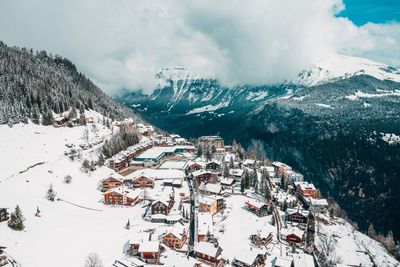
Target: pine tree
47, 118
284, 205
16, 221
371, 231
37, 214
208, 154
226, 171
389, 242
273, 219
231, 163
128, 225
246, 179
51, 194
242, 185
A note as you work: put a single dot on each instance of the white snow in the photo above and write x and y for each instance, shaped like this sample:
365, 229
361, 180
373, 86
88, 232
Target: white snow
323, 105
255, 96
208, 108
382, 93
340, 66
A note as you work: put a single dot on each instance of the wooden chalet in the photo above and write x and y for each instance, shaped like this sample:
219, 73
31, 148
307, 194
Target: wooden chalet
213, 165
112, 181
297, 215
149, 252
249, 259
204, 176
143, 181
176, 236
210, 189
211, 204
194, 166
121, 196
260, 208
136, 240
163, 205
208, 252
293, 235
3, 214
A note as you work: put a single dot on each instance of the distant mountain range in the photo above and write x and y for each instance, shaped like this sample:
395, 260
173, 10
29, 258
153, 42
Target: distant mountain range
331, 122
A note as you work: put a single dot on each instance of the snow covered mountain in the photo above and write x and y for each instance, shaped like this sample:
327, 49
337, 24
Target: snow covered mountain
182, 91
343, 67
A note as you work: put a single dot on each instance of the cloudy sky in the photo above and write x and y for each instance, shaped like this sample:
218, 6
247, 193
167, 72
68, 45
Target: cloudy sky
124, 43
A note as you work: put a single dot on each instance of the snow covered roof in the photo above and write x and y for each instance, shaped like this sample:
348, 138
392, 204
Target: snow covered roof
140, 237
153, 153
149, 246
303, 260
207, 248
114, 175
212, 188
318, 202
227, 181
256, 204
283, 262
174, 164
209, 199
157, 174
177, 230
200, 172
236, 172
125, 191
205, 223
303, 212
280, 164
249, 161
247, 256
293, 230
306, 186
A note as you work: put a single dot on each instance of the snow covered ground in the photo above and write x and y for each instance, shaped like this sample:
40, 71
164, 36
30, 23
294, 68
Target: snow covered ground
349, 247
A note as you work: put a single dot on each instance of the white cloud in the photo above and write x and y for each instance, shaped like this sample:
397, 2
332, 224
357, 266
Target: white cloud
122, 44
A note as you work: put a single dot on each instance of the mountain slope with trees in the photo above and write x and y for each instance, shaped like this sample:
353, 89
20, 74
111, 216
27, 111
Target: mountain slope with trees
32, 84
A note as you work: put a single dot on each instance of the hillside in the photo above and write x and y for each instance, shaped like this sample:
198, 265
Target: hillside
34, 83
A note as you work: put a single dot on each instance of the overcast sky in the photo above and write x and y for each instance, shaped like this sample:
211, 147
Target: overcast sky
123, 43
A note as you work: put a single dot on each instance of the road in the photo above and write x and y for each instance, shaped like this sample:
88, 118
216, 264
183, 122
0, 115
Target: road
192, 216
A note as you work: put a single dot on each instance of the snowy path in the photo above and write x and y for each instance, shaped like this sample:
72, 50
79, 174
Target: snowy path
79, 206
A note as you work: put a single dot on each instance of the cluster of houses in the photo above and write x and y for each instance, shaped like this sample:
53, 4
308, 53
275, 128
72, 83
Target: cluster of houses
168, 178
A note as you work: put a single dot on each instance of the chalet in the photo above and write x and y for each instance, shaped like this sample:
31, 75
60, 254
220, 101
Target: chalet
173, 182
303, 260
204, 176
194, 166
282, 262
292, 235
112, 181
61, 121
217, 141
121, 196
3, 215
208, 252
155, 174
249, 163
280, 168
306, 189
227, 182
316, 204
250, 258
260, 208
237, 174
136, 240
211, 204
149, 251
210, 189
293, 176
261, 239
3, 258
297, 215
163, 205
204, 227
118, 162
213, 165
143, 181
176, 236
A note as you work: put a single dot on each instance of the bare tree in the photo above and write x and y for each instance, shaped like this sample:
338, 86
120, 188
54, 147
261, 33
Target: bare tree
93, 260
328, 245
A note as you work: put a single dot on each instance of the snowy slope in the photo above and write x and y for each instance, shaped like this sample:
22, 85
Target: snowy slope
341, 67
349, 247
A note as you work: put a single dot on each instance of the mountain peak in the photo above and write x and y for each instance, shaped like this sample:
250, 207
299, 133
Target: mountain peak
342, 67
